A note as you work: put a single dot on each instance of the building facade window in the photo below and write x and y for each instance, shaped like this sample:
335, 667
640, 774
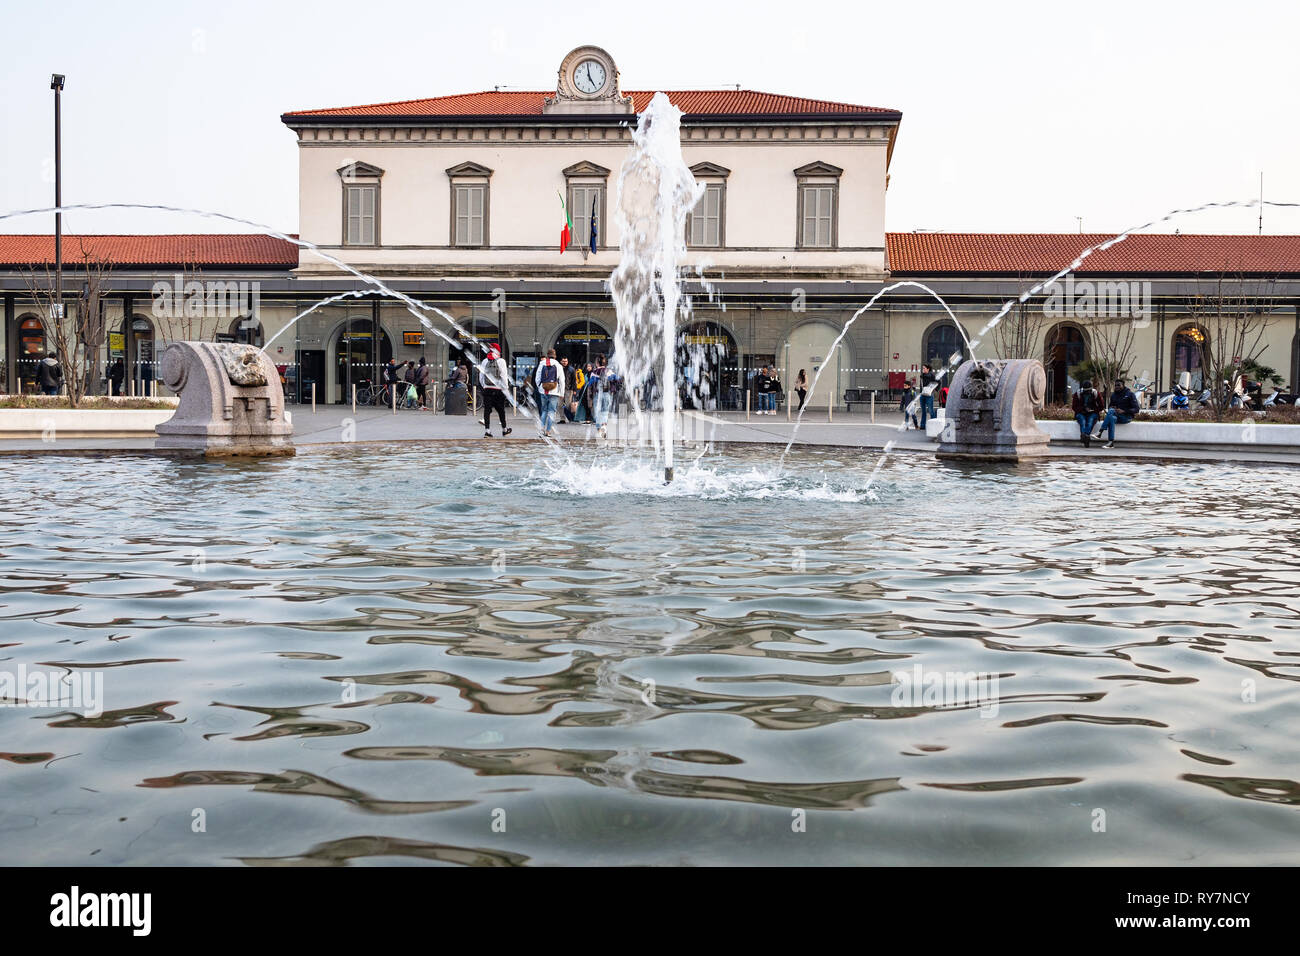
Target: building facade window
587, 189
817, 221
470, 205
706, 223
360, 204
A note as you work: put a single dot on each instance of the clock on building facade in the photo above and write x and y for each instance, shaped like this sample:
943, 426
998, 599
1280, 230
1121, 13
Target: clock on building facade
588, 83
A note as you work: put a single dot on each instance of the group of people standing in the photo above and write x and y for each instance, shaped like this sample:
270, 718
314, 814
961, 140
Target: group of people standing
767, 388
584, 393
918, 406
412, 375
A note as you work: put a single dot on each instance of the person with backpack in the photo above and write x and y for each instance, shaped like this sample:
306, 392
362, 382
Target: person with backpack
115, 376
494, 378
1123, 409
550, 379
1087, 406
49, 374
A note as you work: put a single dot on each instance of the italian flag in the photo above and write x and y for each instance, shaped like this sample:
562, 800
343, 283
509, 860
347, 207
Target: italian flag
566, 234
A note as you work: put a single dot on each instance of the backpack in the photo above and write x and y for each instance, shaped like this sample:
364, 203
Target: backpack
1090, 401
549, 379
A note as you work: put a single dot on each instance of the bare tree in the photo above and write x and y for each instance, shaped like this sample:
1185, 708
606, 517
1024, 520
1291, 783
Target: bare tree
78, 329
189, 309
1111, 341
1017, 335
1234, 314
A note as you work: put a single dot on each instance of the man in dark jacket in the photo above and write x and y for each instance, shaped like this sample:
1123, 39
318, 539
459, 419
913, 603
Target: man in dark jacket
115, 376
1123, 409
49, 375
1087, 405
423, 374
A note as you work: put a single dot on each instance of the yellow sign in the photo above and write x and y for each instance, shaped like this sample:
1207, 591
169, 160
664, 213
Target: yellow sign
116, 342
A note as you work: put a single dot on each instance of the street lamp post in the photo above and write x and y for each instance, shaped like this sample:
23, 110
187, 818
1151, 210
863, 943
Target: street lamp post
56, 84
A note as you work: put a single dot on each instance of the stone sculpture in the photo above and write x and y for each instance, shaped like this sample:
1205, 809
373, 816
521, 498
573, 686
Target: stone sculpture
990, 412
231, 402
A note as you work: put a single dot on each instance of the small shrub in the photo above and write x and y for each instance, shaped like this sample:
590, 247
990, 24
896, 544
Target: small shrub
97, 403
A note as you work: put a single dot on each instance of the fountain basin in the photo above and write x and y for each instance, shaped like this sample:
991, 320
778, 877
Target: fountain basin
351, 650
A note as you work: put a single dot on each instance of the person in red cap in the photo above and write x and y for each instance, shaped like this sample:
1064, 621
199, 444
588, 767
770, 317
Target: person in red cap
492, 376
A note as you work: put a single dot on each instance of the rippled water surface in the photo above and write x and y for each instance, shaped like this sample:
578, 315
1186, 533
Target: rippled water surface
452, 654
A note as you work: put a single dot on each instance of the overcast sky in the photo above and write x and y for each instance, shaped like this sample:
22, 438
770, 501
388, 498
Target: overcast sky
1016, 116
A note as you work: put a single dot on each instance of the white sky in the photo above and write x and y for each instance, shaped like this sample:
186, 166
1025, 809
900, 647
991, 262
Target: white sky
1017, 117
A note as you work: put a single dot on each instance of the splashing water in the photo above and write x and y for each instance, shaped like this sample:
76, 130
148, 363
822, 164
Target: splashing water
1025, 296
415, 306
656, 191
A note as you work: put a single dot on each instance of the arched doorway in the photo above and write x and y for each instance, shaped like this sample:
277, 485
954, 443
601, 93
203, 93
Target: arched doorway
357, 358
1064, 347
941, 342
1188, 355
581, 341
808, 347
31, 349
709, 365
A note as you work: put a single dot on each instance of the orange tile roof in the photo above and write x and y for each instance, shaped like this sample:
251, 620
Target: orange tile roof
128, 251
975, 254
520, 103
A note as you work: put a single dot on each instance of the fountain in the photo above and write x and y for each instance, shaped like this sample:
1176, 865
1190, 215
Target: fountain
231, 402
656, 191
990, 414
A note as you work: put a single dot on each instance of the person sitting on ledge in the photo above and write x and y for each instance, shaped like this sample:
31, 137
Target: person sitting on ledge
1087, 405
1123, 409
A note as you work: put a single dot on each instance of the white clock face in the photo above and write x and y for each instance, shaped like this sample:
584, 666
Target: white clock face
589, 76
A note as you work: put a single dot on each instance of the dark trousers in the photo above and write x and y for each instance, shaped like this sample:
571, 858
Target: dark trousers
494, 398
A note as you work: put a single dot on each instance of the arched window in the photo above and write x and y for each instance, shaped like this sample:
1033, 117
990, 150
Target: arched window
942, 341
1064, 347
246, 330
1188, 347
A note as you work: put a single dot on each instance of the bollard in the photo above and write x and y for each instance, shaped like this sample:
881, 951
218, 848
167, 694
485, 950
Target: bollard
788, 405
473, 403
746, 404
393, 395
830, 407
313, 398
873, 406
354, 399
